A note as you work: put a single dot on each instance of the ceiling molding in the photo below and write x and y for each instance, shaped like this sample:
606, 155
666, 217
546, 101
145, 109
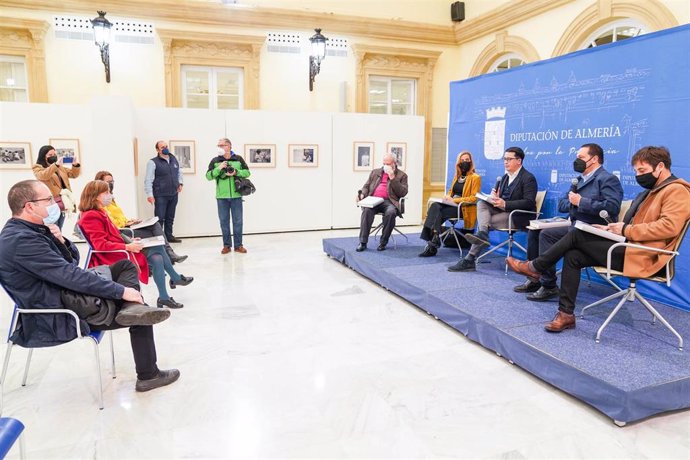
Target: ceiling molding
216, 14
500, 18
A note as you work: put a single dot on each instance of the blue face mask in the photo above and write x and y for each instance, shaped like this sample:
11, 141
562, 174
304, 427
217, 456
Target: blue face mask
165, 151
53, 214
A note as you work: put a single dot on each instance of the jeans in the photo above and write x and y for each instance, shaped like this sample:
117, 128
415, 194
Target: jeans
225, 207
164, 208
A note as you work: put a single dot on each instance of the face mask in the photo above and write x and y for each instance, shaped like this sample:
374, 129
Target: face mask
51, 160
111, 186
165, 151
647, 180
220, 151
107, 200
465, 166
579, 165
387, 169
53, 214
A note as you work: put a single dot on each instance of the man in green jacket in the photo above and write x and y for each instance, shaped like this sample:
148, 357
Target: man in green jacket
224, 168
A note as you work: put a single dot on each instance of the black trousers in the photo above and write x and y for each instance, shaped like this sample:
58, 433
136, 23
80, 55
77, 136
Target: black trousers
540, 241
124, 272
579, 250
436, 215
389, 212
164, 208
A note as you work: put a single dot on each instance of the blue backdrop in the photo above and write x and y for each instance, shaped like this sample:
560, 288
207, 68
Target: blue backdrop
621, 96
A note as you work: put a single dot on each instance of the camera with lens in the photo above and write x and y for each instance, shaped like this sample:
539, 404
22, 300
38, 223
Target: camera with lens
228, 170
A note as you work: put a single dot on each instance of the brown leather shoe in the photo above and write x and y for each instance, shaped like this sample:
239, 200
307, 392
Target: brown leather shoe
241, 250
521, 267
225, 250
560, 322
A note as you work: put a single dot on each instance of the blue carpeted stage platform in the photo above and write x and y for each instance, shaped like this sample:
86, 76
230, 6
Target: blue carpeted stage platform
635, 372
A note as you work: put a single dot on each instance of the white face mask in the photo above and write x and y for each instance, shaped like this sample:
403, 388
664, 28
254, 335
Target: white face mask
53, 214
387, 169
107, 200
220, 150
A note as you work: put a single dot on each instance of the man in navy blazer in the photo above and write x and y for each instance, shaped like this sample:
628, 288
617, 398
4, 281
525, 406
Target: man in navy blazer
596, 190
517, 189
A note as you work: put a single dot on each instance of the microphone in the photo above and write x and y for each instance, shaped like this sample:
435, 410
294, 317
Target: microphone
605, 215
498, 183
573, 186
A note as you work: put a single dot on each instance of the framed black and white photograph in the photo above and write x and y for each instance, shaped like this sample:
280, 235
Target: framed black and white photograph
67, 149
399, 149
185, 152
15, 155
303, 155
363, 156
260, 155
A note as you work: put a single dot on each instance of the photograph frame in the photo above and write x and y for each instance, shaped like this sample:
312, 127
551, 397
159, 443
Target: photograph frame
293, 150
250, 155
10, 155
359, 157
187, 162
392, 147
66, 147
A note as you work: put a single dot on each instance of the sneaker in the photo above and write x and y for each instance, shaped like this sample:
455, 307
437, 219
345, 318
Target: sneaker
170, 303
136, 314
183, 281
463, 265
162, 379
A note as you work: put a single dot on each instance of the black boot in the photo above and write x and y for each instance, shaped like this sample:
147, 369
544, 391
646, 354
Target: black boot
436, 241
174, 257
429, 251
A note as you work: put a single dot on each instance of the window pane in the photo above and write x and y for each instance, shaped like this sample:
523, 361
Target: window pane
228, 84
197, 82
197, 101
228, 102
13, 95
378, 96
402, 95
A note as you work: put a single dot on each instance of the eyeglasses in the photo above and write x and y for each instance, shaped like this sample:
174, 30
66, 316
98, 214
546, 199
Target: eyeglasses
52, 200
509, 158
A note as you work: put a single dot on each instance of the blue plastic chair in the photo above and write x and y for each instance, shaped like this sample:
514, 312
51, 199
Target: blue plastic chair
95, 337
92, 251
10, 431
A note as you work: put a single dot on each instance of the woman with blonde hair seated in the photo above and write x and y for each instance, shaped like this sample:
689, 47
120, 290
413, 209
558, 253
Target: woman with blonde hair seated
102, 235
117, 215
466, 184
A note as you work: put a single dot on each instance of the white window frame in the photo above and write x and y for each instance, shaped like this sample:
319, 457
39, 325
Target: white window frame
213, 83
16, 60
389, 81
506, 57
612, 26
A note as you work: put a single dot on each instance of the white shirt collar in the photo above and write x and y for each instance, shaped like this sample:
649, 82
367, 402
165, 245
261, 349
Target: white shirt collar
511, 177
587, 176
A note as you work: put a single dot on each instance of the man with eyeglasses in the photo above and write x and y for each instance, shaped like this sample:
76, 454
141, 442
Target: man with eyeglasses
596, 190
39, 268
517, 189
162, 185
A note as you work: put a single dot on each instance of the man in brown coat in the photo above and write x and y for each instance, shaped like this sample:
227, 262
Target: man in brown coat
390, 184
656, 219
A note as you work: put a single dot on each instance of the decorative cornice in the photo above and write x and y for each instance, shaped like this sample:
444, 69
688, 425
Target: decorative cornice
503, 44
498, 19
216, 14
182, 35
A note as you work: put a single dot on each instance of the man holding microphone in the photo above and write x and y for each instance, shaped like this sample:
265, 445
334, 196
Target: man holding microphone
517, 189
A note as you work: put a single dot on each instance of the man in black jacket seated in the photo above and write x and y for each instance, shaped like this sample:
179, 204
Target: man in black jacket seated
39, 268
517, 189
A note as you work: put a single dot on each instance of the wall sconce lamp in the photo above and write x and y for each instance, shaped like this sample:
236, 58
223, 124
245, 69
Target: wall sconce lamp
318, 53
101, 33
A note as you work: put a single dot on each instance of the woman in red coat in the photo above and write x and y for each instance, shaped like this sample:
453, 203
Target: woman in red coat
102, 235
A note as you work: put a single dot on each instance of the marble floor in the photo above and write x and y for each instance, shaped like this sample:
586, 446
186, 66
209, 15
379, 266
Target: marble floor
285, 353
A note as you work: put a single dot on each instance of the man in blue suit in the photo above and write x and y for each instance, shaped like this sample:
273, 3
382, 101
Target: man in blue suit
596, 190
517, 189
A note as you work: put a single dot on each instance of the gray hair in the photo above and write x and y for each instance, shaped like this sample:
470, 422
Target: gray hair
392, 156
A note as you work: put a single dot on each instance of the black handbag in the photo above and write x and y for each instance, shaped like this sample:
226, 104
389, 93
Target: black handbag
244, 186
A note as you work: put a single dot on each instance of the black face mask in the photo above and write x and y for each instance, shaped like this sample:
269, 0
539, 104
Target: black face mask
646, 180
579, 165
51, 160
465, 166
111, 186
